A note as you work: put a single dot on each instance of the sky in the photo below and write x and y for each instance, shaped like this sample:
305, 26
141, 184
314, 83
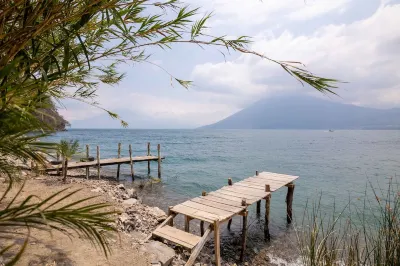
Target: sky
355, 41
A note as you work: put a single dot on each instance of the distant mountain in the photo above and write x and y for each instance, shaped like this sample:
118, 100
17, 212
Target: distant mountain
306, 112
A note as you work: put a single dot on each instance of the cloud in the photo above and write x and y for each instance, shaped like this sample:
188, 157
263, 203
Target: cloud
364, 53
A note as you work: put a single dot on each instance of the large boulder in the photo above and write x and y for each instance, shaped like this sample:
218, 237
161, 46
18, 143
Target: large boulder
159, 214
159, 252
129, 202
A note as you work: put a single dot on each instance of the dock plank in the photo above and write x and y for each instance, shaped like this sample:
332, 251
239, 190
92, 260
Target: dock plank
247, 191
218, 205
249, 199
194, 213
222, 200
178, 236
201, 207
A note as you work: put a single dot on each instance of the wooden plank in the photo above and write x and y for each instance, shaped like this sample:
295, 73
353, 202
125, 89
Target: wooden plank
261, 179
217, 244
277, 174
169, 218
222, 200
194, 213
221, 213
264, 182
259, 186
227, 197
177, 236
217, 205
198, 247
276, 179
273, 187
247, 191
250, 200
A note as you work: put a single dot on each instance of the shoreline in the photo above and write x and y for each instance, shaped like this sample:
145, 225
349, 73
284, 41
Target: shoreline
136, 220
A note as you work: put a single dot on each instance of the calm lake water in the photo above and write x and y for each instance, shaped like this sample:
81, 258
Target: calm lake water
337, 164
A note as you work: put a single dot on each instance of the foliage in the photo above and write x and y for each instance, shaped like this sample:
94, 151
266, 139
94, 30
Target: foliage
369, 235
51, 50
90, 221
68, 148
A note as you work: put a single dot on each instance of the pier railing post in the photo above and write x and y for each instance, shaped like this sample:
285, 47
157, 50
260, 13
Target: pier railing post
148, 154
87, 159
230, 220
258, 202
244, 234
267, 236
131, 162
98, 162
58, 165
202, 222
119, 156
289, 201
159, 160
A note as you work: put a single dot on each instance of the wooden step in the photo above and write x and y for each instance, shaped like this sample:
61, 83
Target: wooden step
177, 236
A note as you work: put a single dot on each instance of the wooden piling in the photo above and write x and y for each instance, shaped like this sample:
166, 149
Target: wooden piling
148, 154
87, 158
131, 162
258, 202
65, 170
98, 162
159, 160
171, 222
244, 235
119, 156
58, 167
267, 236
202, 222
217, 243
230, 220
289, 201
187, 223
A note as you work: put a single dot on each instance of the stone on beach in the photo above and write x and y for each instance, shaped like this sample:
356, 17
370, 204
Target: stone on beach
129, 202
159, 252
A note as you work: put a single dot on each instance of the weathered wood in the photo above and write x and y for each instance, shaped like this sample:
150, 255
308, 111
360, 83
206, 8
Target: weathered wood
65, 172
244, 235
229, 224
258, 207
198, 248
175, 235
267, 236
289, 201
245, 191
148, 154
119, 156
98, 162
131, 162
228, 208
221, 213
222, 200
87, 157
159, 160
171, 222
187, 223
195, 213
104, 162
256, 173
166, 221
230, 196
58, 159
203, 194
217, 243
230, 181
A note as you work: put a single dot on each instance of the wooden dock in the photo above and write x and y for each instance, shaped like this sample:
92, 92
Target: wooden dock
98, 162
221, 206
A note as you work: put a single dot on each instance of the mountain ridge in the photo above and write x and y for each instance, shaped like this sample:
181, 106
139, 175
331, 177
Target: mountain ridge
307, 112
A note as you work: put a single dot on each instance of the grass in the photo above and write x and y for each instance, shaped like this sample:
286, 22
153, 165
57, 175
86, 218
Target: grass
355, 235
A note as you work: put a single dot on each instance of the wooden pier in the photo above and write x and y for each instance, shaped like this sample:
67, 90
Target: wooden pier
221, 206
98, 162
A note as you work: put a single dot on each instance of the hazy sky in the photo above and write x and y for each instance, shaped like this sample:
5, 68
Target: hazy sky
357, 41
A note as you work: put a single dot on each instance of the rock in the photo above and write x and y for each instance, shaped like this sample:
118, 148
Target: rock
159, 214
98, 190
121, 186
159, 252
129, 202
132, 193
123, 217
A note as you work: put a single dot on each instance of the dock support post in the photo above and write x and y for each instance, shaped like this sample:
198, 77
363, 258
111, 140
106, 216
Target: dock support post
202, 222
258, 202
230, 220
98, 162
58, 166
171, 222
187, 223
217, 243
289, 201
148, 154
244, 235
131, 162
119, 156
65, 170
87, 158
267, 236
159, 160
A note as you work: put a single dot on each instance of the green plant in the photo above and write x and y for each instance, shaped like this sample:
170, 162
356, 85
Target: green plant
67, 149
357, 235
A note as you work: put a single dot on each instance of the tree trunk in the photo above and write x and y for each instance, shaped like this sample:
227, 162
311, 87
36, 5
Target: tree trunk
65, 168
